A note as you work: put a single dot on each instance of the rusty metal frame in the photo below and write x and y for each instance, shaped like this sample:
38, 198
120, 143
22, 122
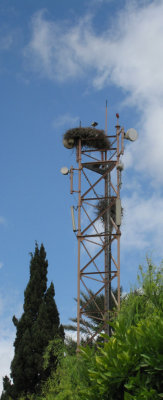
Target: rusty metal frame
104, 162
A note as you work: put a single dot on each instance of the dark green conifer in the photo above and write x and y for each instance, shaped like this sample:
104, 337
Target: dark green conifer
38, 325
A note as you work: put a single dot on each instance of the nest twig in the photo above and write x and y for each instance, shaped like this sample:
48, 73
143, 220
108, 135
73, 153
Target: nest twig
101, 206
90, 138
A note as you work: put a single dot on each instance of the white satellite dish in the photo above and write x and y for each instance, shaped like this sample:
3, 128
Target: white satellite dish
64, 171
68, 143
120, 166
131, 135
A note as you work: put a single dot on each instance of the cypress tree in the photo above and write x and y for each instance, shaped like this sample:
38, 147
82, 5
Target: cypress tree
38, 325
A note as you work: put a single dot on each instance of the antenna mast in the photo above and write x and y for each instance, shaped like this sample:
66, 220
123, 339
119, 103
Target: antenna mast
97, 183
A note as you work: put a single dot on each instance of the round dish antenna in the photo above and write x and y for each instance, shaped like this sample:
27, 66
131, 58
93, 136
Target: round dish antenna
64, 171
68, 143
131, 135
120, 166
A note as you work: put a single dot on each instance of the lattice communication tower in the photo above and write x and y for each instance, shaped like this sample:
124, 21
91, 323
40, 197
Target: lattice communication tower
98, 232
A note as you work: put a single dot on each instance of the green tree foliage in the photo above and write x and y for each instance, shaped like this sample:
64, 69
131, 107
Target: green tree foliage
127, 366
38, 325
92, 308
7, 389
64, 381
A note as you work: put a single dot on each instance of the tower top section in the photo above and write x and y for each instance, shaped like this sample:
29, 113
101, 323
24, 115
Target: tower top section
90, 138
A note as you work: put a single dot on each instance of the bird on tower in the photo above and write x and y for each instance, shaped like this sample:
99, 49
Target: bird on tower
94, 124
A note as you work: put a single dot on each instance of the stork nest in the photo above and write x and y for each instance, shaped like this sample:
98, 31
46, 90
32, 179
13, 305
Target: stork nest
102, 205
90, 138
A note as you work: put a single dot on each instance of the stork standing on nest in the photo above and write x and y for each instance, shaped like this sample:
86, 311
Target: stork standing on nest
94, 124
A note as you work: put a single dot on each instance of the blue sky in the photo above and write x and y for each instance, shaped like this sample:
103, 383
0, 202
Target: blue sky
59, 62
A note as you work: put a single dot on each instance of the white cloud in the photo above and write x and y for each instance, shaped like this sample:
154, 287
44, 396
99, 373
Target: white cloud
65, 120
71, 335
148, 150
8, 306
50, 50
142, 223
6, 356
129, 54
7, 334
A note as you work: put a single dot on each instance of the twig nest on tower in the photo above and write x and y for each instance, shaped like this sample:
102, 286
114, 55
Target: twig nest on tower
102, 206
90, 138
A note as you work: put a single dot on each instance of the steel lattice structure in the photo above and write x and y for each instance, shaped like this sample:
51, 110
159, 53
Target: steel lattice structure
99, 178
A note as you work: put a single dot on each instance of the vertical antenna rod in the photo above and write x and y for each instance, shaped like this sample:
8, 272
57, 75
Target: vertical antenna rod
79, 243
108, 246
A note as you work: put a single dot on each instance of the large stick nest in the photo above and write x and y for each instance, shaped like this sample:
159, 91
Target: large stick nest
90, 138
102, 206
